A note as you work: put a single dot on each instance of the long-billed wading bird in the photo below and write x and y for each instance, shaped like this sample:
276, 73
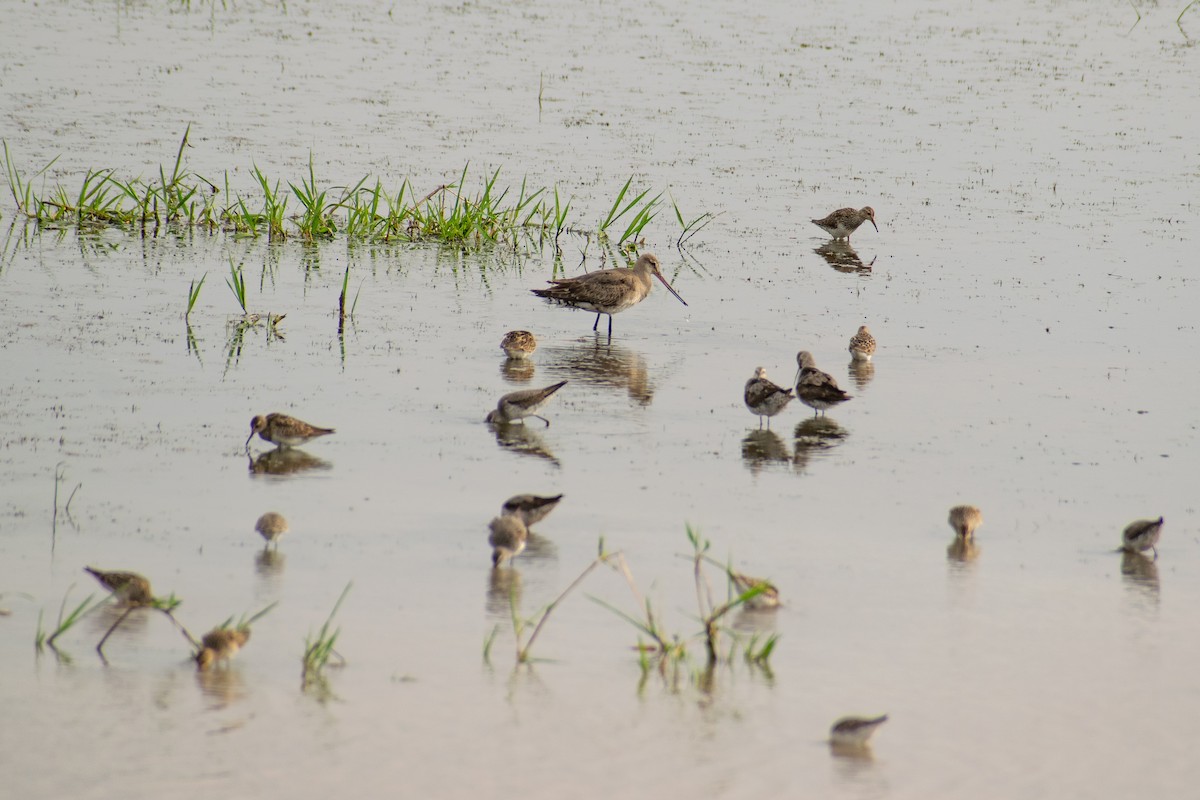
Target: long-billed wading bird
525, 403
284, 431
608, 291
816, 389
1142, 535
128, 587
529, 507
845, 221
764, 397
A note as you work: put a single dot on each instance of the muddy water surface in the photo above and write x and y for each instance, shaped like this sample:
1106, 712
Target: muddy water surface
1034, 171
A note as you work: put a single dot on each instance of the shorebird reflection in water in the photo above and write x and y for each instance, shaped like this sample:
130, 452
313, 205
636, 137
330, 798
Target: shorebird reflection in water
842, 257
525, 403
608, 291
596, 361
764, 397
761, 448
1142, 535
816, 389
845, 221
284, 431
285, 461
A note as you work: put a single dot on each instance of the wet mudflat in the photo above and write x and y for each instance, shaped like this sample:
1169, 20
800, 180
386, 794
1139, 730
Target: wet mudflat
1031, 287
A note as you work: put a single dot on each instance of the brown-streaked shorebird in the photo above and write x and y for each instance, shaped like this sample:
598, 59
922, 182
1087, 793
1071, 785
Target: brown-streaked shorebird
129, 588
507, 538
525, 403
768, 596
854, 731
271, 526
862, 344
220, 645
764, 397
845, 221
1142, 535
284, 431
529, 507
816, 389
608, 291
518, 344
964, 520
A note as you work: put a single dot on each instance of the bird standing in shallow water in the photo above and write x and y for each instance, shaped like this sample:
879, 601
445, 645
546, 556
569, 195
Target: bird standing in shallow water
816, 389
518, 405
529, 507
220, 644
507, 538
608, 291
271, 526
1142, 535
964, 520
518, 344
845, 221
862, 344
284, 431
764, 397
128, 587
854, 731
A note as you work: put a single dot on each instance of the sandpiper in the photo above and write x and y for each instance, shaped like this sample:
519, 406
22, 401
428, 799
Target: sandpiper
1142, 535
854, 731
608, 291
529, 507
284, 431
816, 389
764, 397
768, 597
843, 222
525, 403
964, 520
518, 344
128, 587
507, 538
271, 526
220, 644
862, 344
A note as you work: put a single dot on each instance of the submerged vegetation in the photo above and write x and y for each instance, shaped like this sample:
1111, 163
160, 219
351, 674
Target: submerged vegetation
365, 212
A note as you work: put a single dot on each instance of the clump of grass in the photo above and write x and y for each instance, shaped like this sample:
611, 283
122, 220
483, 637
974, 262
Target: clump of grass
690, 229
316, 221
318, 649
194, 294
66, 621
237, 284
342, 301
641, 218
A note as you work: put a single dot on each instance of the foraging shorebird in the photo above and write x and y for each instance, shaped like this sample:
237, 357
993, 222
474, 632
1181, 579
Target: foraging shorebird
284, 431
529, 508
862, 344
854, 731
964, 520
1142, 535
525, 403
518, 344
816, 389
271, 526
767, 598
764, 397
845, 221
220, 645
129, 588
608, 291
507, 538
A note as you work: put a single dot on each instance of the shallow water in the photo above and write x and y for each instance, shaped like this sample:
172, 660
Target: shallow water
1033, 170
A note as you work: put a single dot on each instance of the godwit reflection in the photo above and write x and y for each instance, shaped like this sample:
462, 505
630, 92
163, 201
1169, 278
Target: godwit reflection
762, 448
1140, 576
597, 361
815, 437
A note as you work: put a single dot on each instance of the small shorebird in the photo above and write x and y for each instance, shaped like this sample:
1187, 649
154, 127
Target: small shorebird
518, 344
525, 403
816, 389
608, 291
129, 588
964, 520
845, 221
1142, 535
529, 508
764, 397
284, 431
271, 526
220, 644
767, 598
854, 731
507, 538
862, 344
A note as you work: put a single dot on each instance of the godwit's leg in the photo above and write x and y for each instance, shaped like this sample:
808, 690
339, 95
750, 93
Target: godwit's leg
596, 324
610, 326
543, 419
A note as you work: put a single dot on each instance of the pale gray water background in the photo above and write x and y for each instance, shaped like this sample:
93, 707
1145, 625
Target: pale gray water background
1034, 170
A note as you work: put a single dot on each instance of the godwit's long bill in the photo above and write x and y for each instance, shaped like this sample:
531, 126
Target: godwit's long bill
608, 291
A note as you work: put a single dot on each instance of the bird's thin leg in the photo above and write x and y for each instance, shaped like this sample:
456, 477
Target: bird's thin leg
1154, 550
115, 625
543, 419
610, 326
596, 324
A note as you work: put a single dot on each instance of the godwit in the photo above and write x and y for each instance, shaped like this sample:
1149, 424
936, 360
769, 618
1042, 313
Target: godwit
518, 344
507, 538
529, 507
1142, 535
816, 389
608, 291
284, 431
964, 520
525, 403
862, 344
271, 526
854, 731
765, 398
220, 644
128, 587
843, 222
